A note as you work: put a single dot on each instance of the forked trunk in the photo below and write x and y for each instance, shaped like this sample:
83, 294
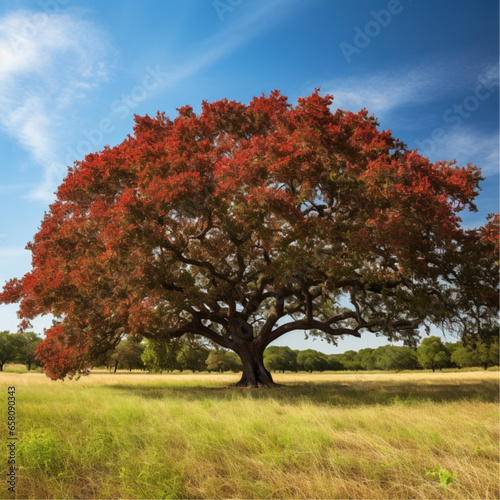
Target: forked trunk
255, 373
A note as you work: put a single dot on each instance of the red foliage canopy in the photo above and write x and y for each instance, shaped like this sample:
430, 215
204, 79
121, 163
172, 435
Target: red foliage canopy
241, 224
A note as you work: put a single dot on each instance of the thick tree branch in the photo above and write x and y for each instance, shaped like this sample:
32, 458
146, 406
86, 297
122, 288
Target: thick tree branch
196, 327
277, 312
304, 324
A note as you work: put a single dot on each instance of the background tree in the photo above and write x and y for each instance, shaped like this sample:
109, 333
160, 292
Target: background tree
128, 354
222, 360
350, 360
334, 362
397, 358
367, 359
483, 353
28, 343
161, 354
244, 223
193, 356
280, 358
463, 357
216, 361
488, 353
433, 354
451, 347
9, 348
310, 360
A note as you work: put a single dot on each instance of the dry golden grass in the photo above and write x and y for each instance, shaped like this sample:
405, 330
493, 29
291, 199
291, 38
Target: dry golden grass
319, 436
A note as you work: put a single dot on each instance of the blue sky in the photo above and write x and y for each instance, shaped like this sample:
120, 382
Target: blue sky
73, 73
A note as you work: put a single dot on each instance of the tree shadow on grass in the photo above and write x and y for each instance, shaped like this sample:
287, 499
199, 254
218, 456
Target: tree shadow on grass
356, 393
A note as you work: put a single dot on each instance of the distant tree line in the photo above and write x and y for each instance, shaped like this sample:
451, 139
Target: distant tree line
18, 348
191, 353
432, 354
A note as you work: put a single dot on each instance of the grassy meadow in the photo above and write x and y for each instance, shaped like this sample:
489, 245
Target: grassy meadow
338, 435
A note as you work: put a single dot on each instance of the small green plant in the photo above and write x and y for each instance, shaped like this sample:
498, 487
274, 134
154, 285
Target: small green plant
40, 450
445, 477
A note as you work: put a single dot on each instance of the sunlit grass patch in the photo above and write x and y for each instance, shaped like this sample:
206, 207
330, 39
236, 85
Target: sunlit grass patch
331, 436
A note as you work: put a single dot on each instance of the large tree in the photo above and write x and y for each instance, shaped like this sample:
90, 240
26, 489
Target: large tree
241, 224
476, 279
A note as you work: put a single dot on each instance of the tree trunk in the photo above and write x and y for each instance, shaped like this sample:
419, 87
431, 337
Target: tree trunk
255, 373
116, 366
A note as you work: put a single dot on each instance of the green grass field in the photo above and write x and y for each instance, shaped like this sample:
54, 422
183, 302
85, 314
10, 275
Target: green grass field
407, 435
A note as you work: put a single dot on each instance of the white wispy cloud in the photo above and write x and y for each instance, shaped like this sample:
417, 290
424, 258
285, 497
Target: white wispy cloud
380, 94
46, 72
45, 76
385, 92
388, 91
468, 145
